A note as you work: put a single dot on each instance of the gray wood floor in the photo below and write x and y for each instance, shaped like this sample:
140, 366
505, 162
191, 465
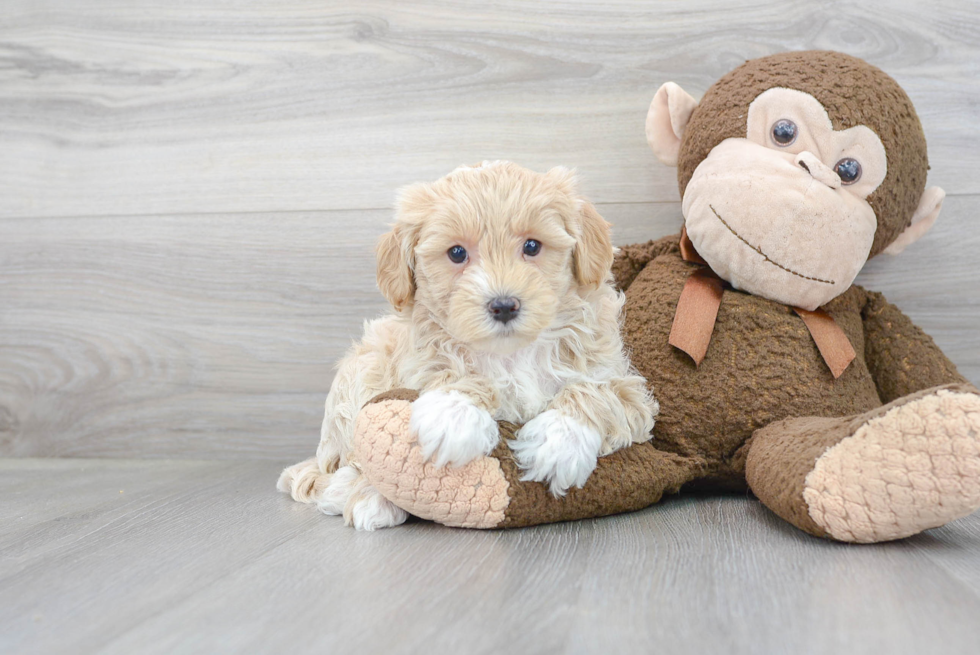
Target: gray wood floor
198, 557
189, 194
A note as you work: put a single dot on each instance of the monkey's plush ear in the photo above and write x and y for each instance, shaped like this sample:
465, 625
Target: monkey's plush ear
396, 249
669, 113
593, 248
924, 217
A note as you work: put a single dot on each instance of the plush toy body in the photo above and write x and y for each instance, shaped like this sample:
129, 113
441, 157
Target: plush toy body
771, 369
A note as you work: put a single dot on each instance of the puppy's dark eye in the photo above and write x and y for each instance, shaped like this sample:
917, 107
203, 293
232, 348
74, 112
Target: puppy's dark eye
784, 132
532, 247
457, 254
849, 170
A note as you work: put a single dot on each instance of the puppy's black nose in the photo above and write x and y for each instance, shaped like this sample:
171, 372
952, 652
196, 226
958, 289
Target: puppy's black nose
504, 309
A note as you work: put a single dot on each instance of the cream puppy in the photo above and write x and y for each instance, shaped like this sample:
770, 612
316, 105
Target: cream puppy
504, 310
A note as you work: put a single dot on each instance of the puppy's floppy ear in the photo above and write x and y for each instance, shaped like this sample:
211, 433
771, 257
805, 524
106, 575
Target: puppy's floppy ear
593, 255
396, 249
593, 247
395, 277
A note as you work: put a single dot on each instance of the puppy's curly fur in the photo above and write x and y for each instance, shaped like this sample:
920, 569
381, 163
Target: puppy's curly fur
556, 365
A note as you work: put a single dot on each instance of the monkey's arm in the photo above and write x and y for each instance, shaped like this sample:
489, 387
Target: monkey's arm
631, 259
901, 357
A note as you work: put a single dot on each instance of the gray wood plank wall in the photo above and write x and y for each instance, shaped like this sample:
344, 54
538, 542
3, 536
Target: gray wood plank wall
189, 192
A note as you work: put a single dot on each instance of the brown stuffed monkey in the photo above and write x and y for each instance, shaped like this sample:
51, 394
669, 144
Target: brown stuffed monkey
773, 371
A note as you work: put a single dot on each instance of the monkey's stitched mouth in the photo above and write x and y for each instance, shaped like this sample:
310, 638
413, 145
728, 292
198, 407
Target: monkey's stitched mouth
764, 255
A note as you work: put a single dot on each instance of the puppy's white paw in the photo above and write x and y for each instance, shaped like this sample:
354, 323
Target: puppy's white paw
369, 510
449, 426
333, 499
363, 506
303, 481
556, 449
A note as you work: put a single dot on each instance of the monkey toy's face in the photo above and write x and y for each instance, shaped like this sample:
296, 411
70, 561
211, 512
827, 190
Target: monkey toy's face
783, 213
784, 196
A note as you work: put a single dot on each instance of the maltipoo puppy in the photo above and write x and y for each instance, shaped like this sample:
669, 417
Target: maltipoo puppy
504, 310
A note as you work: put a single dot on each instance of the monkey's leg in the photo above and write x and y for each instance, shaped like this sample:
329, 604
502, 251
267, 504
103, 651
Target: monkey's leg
901, 357
488, 492
911, 465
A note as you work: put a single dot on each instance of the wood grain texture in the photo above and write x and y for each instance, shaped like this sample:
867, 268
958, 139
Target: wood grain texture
169, 336
214, 336
189, 195
189, 192
146, 107
203, 557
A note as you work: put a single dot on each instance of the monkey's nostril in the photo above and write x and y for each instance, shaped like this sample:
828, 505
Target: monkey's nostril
504, 309
818, 170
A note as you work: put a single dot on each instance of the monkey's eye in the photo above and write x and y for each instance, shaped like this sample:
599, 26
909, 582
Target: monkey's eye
784, 132
849, 170
532, 247
457, 254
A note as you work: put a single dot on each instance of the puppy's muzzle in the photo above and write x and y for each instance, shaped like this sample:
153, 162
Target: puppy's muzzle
504, 309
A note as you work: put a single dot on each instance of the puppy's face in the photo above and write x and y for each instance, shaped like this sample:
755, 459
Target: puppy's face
493, 252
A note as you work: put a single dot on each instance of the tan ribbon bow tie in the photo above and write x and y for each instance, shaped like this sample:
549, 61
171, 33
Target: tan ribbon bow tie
697, 311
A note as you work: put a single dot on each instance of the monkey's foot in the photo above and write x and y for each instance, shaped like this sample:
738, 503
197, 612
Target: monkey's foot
916, 467
488, 492
892, 473
471, 496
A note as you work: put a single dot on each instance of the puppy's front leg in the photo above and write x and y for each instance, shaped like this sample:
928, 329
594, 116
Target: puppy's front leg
454, 421
585, 420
